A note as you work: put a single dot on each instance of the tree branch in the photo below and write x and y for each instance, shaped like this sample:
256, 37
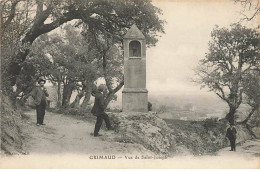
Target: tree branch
249, 115
40, 29
41, 15
119, 86
12, 14
111, 94
240, 97
222, 92
250, 5
39, 8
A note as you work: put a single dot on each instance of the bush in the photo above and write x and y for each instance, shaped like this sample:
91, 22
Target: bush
71, 111
115, 110
210, 123
162, 109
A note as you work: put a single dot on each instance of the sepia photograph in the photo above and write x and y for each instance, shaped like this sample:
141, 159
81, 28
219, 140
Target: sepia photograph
130, 84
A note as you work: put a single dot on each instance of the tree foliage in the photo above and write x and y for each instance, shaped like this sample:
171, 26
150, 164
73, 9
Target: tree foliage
24, 21
109, 17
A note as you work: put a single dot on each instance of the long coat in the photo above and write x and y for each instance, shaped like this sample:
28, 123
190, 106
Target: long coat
231, 133
99, 105
38, 94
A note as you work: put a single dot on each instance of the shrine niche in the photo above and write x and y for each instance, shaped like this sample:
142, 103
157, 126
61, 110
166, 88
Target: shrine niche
135, 49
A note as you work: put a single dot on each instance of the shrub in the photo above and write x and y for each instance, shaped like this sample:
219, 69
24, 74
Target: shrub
162, 109
210, 123
70, 111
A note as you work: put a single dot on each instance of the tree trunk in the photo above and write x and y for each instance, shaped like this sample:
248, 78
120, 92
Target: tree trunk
112, 92
231, 114
15, 67
75, 103
67, 92
59, 94
109, 98
87, 96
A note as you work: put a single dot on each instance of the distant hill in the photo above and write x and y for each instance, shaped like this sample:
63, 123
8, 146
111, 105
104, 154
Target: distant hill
208, 104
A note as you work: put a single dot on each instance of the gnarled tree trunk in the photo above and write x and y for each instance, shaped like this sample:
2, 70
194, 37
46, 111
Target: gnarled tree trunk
67, 92
75, 103
87, 96
59, 94
231, 114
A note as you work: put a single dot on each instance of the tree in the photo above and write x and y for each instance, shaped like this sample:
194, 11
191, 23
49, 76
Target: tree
249, 6
108, 17
232, 54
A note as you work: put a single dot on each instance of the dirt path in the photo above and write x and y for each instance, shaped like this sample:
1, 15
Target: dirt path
248, 148
65, 134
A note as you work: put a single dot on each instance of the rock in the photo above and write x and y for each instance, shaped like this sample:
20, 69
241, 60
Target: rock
142, 128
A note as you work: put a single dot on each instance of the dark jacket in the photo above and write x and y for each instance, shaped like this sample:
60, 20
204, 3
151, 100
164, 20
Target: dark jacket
99, 105
39, 94
231, 133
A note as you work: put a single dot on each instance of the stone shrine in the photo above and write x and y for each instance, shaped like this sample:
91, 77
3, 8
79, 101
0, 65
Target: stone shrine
135, 94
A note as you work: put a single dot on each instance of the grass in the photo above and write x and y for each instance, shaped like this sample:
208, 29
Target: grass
200, 137
84, 115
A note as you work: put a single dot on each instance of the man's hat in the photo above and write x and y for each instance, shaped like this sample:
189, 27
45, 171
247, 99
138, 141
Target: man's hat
41, 79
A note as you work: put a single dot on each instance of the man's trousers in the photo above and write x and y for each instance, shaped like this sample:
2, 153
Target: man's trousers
233, 144
40, 110
99, 123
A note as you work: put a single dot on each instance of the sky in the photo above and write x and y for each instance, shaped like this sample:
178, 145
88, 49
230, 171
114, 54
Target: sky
189, 24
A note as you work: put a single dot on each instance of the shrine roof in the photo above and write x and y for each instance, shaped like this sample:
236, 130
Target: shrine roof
134, 33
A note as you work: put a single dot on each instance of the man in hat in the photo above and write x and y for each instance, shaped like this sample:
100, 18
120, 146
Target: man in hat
39, 94
98, 110
231, 135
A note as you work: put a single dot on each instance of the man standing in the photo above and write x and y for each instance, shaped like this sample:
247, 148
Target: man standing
231, 135
39, 94
98, 110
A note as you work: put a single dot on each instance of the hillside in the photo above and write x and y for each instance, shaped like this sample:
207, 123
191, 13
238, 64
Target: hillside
11, 130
